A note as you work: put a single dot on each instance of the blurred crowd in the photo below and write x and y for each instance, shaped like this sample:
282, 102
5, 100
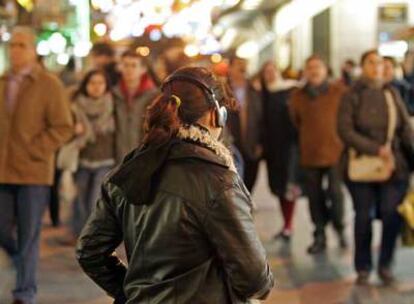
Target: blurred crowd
68, 133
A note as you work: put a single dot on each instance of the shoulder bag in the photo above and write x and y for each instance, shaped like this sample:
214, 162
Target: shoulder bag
368, 168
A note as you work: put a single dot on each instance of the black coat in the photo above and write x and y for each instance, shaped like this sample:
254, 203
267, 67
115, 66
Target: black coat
280, 142
406, 91
187, 225
249, 142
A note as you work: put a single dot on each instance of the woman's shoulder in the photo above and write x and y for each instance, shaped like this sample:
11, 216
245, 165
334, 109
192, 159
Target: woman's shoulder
186, 170
199, 184
198, 163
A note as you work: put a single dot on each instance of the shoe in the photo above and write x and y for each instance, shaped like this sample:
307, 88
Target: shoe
284, 235
363, 278
386, 276
67, 241
317, 247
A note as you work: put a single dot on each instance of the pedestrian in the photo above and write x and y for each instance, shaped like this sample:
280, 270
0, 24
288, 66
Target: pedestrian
132, 95
103, 58
95, 112
314, 111
405, 89
280, 144
35, 121
364, 121
182, 211
246, 124
68, 75
348, 72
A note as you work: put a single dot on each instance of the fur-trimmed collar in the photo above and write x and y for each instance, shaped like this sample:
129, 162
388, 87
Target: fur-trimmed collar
202, 136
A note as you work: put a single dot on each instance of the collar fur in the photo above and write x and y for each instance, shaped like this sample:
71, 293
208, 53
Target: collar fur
199, 135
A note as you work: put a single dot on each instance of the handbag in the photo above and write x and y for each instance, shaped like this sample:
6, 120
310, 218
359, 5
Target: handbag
369, 168
406, 210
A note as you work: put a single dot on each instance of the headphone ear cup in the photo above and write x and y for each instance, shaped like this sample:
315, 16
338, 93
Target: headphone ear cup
222, 117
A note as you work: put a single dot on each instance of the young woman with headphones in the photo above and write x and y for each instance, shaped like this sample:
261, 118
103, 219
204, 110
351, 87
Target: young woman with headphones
180, 208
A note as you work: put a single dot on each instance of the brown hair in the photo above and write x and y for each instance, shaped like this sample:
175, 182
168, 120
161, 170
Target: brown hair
82, 88
103, 49
315, 57
165, 116
391, 60
131, 53
366, 54
261, 73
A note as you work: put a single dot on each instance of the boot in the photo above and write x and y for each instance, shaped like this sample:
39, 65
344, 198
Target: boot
284, 235
386, 276
343, 242
363, 278
319, 241
318, 246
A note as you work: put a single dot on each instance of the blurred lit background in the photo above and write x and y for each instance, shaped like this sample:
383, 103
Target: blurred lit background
288, 31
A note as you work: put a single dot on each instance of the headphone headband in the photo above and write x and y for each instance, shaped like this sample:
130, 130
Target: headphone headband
189, 78
209, 93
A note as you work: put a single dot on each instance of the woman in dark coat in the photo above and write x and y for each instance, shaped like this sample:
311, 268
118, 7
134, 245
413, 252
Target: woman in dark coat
363, 125
280, 144
181, 209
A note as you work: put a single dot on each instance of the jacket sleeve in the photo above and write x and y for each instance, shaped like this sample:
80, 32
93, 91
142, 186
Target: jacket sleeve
346, 128
96, 246
256, 125
59, 122
293, 111
230, 228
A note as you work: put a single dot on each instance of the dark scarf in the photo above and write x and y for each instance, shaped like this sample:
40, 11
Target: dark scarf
315, 91
372, 83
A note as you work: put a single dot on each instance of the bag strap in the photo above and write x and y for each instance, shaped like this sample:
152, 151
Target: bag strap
392, 115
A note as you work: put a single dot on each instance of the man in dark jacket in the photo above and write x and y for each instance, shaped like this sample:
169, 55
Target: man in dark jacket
132, 95
246, 125
103, 57
405, 89
314, 110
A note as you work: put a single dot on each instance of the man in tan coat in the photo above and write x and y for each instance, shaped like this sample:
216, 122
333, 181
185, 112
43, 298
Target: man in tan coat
35, 121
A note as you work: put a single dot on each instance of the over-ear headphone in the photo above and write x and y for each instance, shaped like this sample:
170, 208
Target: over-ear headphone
180, 75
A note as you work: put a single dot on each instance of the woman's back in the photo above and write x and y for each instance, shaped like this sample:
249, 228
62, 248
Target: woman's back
183, 213
194, 219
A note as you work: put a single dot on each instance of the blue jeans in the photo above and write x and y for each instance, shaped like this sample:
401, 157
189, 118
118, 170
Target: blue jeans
373, 200
22, 207
88, 182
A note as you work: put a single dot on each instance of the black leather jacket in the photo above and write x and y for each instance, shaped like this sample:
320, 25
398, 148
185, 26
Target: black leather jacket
188, 231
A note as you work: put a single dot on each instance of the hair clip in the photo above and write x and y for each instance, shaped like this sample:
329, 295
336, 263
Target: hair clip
177, 100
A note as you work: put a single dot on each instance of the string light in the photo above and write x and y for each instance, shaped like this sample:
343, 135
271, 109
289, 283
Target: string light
100, 29
191, 50
143, 51
216, 58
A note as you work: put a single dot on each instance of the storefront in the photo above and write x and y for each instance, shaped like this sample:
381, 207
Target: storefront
340, 29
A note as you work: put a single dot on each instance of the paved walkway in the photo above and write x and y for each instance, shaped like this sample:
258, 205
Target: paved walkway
301, 279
